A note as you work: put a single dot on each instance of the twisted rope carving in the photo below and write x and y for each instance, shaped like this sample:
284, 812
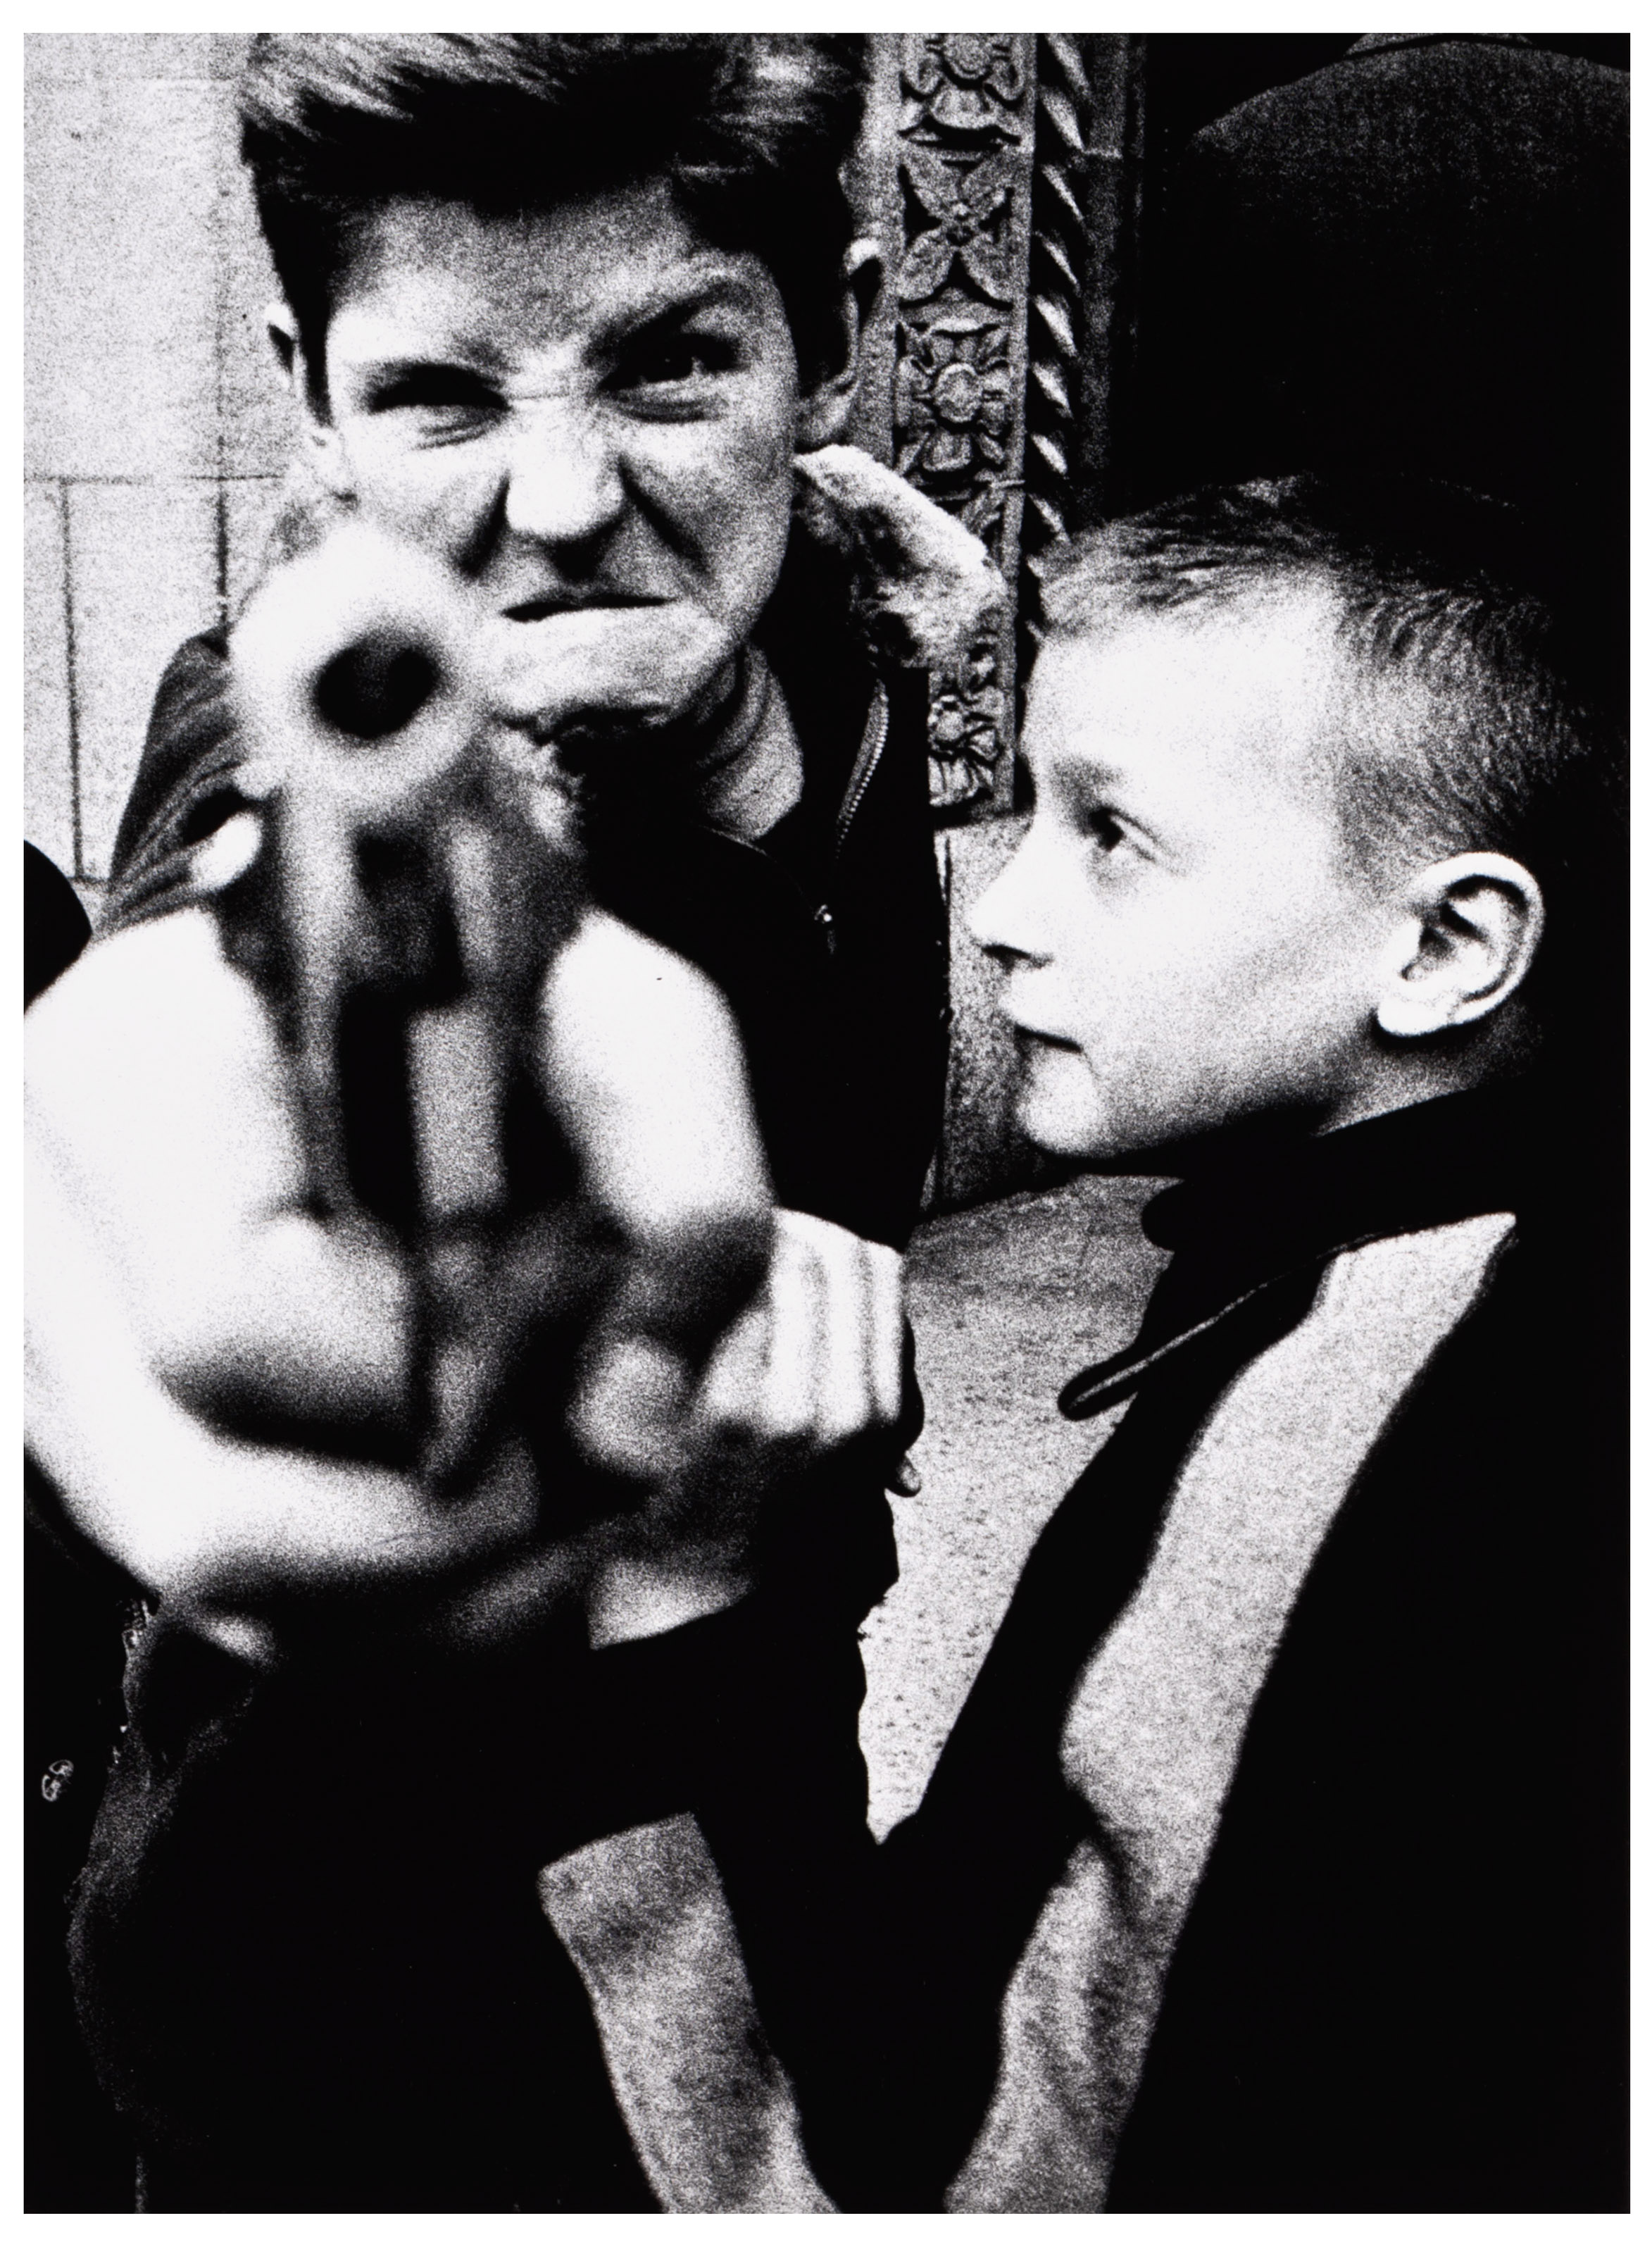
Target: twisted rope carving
1058, 260
1056, 286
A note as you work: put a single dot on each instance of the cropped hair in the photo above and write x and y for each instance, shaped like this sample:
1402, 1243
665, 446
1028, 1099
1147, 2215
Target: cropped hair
750, 130
1481, 715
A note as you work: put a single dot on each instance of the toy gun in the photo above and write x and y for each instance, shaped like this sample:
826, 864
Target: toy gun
413, 885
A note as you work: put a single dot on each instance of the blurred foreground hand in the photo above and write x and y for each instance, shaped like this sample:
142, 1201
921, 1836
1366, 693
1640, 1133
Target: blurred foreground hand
815, 1364
222, 1382
400, 1243
386, 1203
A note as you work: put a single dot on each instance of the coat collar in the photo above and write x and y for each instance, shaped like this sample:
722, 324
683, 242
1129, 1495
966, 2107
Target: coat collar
923, 587
1250, 1221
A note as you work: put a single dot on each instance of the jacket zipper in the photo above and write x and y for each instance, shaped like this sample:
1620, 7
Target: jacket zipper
866, 759
873, 739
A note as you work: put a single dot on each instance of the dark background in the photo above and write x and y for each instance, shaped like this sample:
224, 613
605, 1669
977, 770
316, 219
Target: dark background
1460, 312
1194, 77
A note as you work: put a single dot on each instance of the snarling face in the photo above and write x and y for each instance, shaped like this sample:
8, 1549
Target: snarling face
590, 413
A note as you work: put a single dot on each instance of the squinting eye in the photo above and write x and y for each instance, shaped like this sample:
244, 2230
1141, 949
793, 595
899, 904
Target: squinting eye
1105, 831
441, 391
679, 360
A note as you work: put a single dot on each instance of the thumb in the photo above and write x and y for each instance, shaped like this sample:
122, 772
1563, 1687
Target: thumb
641, 1064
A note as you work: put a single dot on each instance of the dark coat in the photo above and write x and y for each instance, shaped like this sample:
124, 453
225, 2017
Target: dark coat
1402, 1984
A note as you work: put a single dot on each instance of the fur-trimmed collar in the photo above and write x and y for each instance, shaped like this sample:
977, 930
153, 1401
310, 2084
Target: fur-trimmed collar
925, 589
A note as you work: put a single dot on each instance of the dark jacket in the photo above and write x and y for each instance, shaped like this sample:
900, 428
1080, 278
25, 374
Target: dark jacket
1401, 1984
308, 1951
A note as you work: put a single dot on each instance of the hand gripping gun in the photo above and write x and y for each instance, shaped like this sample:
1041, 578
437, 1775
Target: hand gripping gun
416, 882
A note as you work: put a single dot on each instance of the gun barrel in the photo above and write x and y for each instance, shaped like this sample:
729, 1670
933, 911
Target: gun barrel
411, 904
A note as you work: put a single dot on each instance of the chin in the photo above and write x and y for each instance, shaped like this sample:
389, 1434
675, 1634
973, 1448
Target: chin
1066, 1130
1072, 1126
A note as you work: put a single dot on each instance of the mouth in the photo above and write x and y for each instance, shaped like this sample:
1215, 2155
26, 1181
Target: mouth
1030, 1037
551, 607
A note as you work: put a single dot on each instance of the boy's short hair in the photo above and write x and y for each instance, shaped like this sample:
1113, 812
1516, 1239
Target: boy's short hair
751, 131
1478, 717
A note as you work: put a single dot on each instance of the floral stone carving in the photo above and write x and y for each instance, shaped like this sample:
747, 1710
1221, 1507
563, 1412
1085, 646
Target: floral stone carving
966, 721
953, 396
966, 82
965, 161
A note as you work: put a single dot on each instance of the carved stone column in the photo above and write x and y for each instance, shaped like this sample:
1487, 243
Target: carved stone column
996, 171
950, 187
1082, 289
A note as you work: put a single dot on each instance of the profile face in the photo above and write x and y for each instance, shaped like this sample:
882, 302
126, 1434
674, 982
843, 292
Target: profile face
1188, 940
590, 414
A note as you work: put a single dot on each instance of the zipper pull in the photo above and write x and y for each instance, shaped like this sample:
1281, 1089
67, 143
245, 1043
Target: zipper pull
828, 924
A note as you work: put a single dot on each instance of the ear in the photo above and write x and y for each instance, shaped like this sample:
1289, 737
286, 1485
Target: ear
317, 434
1471, 928
825, 413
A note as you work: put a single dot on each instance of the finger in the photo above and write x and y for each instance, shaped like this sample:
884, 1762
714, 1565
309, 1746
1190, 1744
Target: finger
629, 1409
189, 1511
887, 1331
844, 1380
733, 1397
640, 1063
791, 1406
610, 669
856, 1377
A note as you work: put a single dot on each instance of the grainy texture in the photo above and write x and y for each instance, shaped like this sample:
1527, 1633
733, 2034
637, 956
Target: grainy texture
1160, 1711
644, 1916
148, 364
1008, 1301
48, 758
156, 425
142, 578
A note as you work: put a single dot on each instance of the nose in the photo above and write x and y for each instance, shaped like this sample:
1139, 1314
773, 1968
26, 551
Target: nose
1006, 922
564, 486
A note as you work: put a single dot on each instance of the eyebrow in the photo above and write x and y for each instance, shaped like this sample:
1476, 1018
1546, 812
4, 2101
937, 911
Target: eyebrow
1083, 766
463, 357
672, 303
658, 309
1082, 772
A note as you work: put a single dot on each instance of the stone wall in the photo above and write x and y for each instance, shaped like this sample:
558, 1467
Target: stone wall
153, 421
